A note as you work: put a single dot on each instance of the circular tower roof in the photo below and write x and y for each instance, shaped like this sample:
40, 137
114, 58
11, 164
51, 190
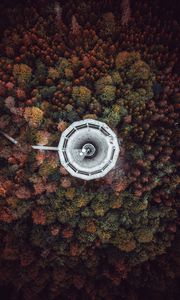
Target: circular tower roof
88, 149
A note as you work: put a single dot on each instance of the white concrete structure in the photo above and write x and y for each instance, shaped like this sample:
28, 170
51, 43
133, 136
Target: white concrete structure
88, 149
